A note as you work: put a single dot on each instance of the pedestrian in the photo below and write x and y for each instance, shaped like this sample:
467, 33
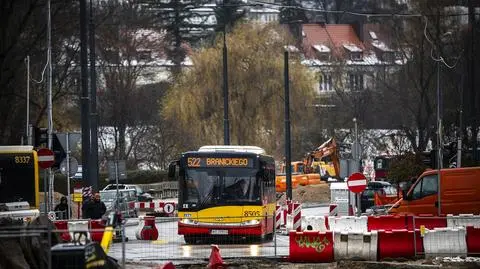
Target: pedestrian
95, 208
61, 210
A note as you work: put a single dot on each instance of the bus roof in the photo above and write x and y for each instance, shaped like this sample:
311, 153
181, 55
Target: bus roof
16, 149
223, 148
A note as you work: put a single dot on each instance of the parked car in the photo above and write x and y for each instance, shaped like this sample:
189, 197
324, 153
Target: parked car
140, 194
368, 195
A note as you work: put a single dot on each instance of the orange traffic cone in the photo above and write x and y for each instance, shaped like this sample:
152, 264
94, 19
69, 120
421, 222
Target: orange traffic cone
216, 261
168, 265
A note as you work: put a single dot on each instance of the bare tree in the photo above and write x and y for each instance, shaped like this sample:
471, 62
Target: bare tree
129, 55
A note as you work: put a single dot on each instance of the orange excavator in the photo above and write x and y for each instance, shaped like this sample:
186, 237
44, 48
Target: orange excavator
317, 165
324, 160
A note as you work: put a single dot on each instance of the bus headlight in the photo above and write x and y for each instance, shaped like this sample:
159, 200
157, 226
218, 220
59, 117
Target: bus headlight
187, 221
251, 222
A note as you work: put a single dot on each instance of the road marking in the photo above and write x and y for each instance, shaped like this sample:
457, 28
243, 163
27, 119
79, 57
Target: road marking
159, 242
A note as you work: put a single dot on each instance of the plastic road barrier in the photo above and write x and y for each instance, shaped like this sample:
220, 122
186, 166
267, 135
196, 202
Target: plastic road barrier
355, 245
463, 220
386, 222
311, 246
348, 224
314, 223
445, 242
399, 244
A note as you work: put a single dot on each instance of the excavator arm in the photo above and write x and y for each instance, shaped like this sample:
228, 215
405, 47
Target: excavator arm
327, 149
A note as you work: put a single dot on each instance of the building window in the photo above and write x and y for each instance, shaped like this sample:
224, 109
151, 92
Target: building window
356, 56
388, 56
326, 83
356, 82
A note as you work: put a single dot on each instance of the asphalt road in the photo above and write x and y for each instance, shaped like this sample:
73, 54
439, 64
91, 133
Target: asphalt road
171, 246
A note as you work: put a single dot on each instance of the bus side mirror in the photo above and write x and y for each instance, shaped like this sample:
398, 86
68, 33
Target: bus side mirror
172, 167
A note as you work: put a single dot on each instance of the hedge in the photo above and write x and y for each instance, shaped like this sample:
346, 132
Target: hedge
133, 177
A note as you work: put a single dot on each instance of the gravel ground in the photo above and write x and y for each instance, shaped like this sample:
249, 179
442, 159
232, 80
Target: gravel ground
267, 263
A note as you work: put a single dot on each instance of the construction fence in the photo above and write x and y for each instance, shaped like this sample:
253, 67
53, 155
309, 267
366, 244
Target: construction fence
157, 239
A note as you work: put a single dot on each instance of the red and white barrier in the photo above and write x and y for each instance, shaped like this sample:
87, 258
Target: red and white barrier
294, 220
463, 220
333, 210
146, 229
162, 207
399, 244
278, 217
389, 242
348, 224
445, 242
311, 246
78, 227
297, 217
315, 223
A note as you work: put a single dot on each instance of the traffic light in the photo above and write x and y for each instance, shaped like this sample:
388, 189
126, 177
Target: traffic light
40, 136
429, 158
58, 150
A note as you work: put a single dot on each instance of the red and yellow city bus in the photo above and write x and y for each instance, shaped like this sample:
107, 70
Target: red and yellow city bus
225, 192
19, 190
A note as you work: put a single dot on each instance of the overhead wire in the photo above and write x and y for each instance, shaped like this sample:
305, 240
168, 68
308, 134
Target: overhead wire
440, 58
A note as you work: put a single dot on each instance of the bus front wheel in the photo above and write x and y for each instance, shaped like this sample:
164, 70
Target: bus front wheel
190, 239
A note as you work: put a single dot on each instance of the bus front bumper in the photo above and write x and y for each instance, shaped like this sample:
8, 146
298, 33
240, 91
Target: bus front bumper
240, 229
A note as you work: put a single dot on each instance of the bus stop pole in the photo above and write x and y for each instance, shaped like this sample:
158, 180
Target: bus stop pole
69, 200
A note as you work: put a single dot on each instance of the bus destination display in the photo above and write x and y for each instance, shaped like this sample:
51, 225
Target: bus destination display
219, 162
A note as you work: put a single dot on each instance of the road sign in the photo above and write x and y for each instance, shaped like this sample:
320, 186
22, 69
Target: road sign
357, 182
73, 166
46, 158
117, 170
169, 208
52, 216
77, 195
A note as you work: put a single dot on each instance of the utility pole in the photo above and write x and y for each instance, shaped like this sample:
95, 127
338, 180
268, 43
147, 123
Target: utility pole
226, 123
93, 169
84, 98
288, 161
27, 125
473, 92
49, 100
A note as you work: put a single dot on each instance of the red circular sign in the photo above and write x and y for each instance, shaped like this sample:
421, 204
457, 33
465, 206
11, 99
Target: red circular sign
46, 158
357, 182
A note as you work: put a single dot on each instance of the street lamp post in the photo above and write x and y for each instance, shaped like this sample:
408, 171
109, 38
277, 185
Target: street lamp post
226, 124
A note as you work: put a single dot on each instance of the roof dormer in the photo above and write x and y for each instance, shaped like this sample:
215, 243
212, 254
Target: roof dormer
323, 52
356, 53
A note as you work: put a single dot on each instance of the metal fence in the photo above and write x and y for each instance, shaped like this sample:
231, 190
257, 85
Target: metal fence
47, 243
169, 245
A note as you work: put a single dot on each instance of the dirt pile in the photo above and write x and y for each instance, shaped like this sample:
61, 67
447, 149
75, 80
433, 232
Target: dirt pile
310, 194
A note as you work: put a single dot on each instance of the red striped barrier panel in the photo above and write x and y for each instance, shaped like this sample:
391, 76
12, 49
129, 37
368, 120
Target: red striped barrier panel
97, 227
398, 244
429, 221
278, 217
297, 216
473, 240
386, 222
63, 225
311, 246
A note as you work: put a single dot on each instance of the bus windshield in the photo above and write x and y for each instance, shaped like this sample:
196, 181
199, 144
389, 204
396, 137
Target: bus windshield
17, 178
221, 186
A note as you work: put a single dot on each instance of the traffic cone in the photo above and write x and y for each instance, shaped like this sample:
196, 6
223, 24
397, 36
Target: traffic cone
168, 265
216, 261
